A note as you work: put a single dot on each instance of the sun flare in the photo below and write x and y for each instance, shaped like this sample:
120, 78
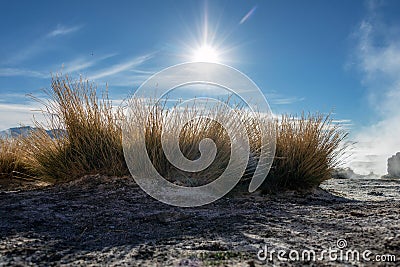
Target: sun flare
206, 53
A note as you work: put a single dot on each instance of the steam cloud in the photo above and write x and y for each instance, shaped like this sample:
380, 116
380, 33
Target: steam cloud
378, 57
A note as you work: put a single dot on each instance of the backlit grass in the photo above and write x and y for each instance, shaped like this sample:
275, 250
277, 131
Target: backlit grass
87, 139
307, 150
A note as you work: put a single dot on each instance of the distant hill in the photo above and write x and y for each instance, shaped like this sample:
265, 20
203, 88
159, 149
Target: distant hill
26, 131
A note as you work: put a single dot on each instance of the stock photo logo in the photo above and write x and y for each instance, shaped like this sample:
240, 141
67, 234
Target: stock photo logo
339, 252
151, 119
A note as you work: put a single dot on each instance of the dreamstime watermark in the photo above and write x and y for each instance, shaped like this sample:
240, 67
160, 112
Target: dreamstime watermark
155, 90
340, 252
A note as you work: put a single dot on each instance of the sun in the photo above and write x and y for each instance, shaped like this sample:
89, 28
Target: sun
206, 53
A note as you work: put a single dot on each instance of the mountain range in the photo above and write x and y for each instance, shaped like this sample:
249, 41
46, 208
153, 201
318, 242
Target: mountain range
25, 131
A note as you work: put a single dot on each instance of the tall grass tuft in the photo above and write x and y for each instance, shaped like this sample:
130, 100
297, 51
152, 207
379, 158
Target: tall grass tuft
86, 137
307, 150
194, 131
13, 163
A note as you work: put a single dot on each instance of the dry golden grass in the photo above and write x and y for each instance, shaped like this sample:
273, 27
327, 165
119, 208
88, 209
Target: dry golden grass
87, 137
194, 131
307, 150
13, 163
88, 140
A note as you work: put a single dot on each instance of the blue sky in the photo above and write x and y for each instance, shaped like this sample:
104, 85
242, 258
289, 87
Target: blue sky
340, 56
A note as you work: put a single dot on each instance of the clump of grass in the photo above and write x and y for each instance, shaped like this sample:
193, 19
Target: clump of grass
86, 137
307, 150
13, 163
154, 120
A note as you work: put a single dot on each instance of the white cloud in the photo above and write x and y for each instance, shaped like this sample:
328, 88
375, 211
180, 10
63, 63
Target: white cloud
248, 15
82, 63
124, 80
287, 100
14, 115
278, 99
378, 54
63, 30
75, 65
9, 72
38, 45
121, 67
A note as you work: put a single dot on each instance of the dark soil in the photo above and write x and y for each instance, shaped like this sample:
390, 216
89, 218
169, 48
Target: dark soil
109, 221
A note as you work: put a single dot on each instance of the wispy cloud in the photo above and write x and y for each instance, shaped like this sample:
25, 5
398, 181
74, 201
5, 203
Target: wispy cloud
346, 124
124, 79
13, 115
378, 58
83, 63
10, 72
121, 67
286, 101
276, 98
63, 30
248, 15
34, 48
38, 45
70, 67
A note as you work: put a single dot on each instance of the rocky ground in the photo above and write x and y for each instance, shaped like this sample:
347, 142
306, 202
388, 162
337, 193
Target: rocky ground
110, 221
